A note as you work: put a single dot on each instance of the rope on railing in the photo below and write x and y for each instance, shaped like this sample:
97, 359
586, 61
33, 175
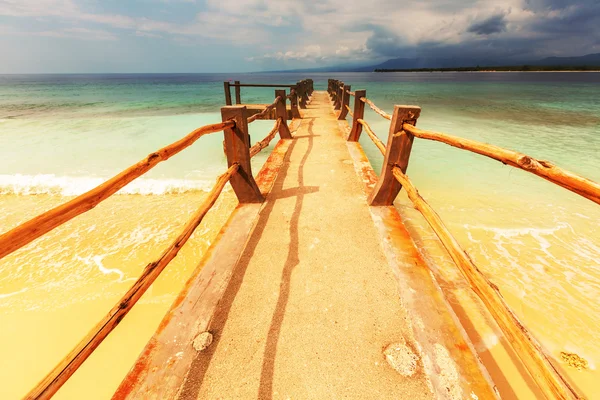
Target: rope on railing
254, 150
573, 182
376, 109
44, 223
372, 135
349, 111
265, 111
67, 367
524, 343
350, 93
291, 95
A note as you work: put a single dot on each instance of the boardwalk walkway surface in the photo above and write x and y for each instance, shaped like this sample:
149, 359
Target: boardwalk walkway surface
313, 302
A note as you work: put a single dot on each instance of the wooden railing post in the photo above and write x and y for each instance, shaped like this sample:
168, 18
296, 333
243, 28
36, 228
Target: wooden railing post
294, 102
237, 143
334, 84
281, 112
238, 93
338, 97
227, 92
359, 113
397, 154
336, 93
300, 90
345, 102
306, 90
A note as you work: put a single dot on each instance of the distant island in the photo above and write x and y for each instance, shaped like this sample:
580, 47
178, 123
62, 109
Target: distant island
589, 62
517, 68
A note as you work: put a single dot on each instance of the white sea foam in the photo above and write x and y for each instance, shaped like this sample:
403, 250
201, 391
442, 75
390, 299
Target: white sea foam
72, 186
97, 260
7, 295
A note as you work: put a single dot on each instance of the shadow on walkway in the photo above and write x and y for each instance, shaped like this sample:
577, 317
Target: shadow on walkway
199, 367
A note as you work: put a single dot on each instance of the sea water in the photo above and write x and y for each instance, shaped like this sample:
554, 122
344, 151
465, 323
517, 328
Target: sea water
61, 135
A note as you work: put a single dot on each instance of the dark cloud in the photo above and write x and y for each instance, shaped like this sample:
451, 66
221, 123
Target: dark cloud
555, 28
384, 42
494, 24
577, 22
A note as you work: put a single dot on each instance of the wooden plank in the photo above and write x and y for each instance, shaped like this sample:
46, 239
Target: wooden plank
526, 346
44, 223
238, 93
227, 86
67, 367
397, 154
281, 111
237, 143
573, 182
161, 368
359, 113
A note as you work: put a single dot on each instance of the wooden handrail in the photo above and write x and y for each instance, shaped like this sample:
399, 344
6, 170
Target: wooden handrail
267, 85
373, 136
265, 111
349, 111
526, 346
376, 109
573, 182
350, 93
67, 367
258, 146
44, 223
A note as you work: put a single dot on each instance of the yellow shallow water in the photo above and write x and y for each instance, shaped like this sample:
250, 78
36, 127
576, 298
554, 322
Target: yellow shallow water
544, 256
56, 289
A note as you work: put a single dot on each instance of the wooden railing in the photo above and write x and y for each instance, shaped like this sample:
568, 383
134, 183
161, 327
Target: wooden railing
299, 92
235, 120
393, 177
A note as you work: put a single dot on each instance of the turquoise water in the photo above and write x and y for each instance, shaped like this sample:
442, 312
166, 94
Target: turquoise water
93, 125
61, 135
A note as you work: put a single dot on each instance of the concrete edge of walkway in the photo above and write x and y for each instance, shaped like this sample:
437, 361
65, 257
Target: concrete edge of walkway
448, 356
162, 367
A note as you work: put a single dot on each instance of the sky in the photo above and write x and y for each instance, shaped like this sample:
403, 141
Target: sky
95, 36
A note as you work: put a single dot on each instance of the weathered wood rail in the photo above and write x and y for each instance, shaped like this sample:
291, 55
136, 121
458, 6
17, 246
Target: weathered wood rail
235, 120
299, 94
393, 178
251, 194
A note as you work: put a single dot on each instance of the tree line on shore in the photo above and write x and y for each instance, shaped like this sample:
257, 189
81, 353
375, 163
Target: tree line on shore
524, 68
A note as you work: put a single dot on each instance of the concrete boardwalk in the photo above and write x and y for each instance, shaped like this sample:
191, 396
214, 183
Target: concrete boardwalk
313, 302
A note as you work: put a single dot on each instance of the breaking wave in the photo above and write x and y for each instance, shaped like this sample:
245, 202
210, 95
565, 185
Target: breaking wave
72, 186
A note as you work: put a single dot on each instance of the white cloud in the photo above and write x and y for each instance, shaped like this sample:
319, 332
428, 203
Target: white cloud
292, 31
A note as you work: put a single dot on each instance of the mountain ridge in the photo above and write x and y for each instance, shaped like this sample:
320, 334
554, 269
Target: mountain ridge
592, 59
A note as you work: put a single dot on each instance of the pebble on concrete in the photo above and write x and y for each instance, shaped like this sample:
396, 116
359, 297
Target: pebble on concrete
202, 341
401, 358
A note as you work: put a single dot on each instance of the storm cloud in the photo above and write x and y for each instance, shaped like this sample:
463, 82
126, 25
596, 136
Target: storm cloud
490, 25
